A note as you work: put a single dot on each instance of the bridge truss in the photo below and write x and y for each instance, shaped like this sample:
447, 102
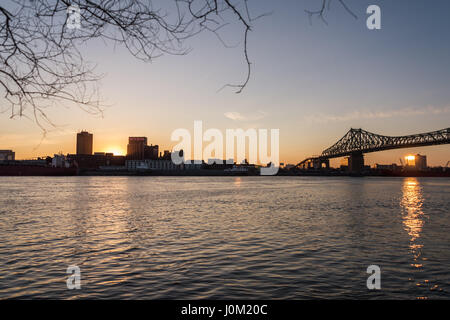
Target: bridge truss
359, 141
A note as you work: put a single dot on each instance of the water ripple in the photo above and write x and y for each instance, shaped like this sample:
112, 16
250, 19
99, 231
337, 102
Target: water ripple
209, 237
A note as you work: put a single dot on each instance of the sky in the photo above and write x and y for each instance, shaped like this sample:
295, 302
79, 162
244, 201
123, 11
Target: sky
312, 81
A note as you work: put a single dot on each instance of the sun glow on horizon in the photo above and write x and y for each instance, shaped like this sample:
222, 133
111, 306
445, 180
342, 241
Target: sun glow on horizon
117, 151
410, 160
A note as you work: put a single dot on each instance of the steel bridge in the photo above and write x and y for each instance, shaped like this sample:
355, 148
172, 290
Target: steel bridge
358, 141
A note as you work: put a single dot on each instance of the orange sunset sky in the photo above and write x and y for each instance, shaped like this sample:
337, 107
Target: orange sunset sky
312, 81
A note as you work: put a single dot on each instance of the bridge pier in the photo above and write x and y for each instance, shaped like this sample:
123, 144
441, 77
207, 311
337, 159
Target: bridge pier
356, 162
314, 164
317, 163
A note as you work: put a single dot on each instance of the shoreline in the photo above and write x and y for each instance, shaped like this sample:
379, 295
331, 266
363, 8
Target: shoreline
66, 172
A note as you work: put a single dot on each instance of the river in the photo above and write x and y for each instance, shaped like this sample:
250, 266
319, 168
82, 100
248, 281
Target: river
224, 237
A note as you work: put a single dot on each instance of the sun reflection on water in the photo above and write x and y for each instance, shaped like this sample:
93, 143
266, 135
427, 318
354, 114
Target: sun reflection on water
413, 217
413, 221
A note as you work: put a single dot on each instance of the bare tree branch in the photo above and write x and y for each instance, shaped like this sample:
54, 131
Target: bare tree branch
40, 56
41, 63
325, 7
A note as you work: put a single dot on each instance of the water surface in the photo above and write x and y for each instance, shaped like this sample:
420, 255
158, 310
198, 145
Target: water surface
224, 237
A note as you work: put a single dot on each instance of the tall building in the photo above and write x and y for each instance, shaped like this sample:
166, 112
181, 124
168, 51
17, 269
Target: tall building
151, 152
167, 155
84, 143
7, 155
420, 162
136, 148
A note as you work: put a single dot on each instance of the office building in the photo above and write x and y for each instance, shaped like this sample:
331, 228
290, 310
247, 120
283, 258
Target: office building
420, 162
7, 155
151, 152
84, 143
167, 155
136, 148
